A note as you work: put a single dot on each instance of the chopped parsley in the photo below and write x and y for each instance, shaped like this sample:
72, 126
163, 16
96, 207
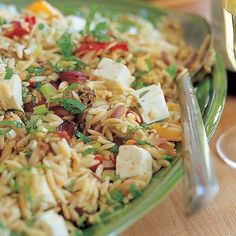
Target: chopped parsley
9, 73
100, 32
171, 70
89, 151
11, 122
90, 18
135, 192
41, 26
73, 106
125, 25
70, 186
167, 158
82, 137
114, 149
65, 44
138, 85
36, 70
117, 195
149, 64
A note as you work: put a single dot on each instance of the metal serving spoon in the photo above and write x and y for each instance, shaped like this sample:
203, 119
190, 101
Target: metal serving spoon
200, 184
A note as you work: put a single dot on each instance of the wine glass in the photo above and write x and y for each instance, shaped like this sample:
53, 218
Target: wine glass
226, 142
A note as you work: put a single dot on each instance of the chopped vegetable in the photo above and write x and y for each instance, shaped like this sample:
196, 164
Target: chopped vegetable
11, 122
120, 46
167, 158
48, 90
73, 77
96, 46
65, 44
90, 18
41, 26
36, 70
69, 188
138, 84
117, 195
89, 151
168, 133
171, 70
82, 137
73, 106
101, 160
41, 110
78, 232
114, 149
9, 73
43, 8
135, 192
100, 32
64, 134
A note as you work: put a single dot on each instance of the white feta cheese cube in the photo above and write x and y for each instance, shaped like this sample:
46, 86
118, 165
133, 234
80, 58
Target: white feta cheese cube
133, 161
11, 93
76, 23
52, 223
152, 103
111, 70
43, 196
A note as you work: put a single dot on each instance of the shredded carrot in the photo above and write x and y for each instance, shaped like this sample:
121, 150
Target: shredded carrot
131, 142
44, 8
169, 134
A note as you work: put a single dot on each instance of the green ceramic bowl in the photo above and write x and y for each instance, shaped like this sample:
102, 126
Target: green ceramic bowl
211, 94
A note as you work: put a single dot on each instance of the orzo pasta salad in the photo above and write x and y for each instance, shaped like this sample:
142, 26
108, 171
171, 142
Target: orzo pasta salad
89, 112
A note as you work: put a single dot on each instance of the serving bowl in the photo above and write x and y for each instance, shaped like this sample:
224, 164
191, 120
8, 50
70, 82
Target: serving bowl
211, 93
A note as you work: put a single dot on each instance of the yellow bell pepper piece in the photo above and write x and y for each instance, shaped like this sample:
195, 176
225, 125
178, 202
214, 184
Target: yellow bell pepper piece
44, 9
168, 133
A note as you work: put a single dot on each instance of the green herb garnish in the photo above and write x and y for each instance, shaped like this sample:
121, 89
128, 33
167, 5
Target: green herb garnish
65, 44
41, 110
73, 106
89, 151
125, 25
117, 195
70, 186
171, 70
9, 73
82, 137
48, 90
78, 232
167, 158
137, 85
100, 32
41, 26
149, 64
29, 152
11, 122
135, 192
90, 18
114, 149
36, 70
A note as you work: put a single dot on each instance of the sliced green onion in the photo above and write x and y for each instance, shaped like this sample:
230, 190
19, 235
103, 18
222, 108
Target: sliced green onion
72, 87
82, 137
89, 151
11, 122
41, 110
9, 73
73, 106
48, 91
36, 70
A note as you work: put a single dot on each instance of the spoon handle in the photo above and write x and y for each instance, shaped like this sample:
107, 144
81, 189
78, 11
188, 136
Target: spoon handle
200, 184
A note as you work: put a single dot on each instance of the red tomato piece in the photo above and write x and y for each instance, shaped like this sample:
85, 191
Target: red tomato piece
101, 159
120, 46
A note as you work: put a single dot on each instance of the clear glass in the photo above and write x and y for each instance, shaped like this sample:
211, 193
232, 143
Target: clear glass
226, 142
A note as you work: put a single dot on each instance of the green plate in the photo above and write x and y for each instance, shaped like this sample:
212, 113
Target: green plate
211, 94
